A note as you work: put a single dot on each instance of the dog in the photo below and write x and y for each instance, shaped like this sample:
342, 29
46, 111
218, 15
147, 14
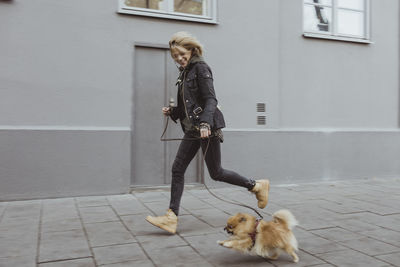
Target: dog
258, 237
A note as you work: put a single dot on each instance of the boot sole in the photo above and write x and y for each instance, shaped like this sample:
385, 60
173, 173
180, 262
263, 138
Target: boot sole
164, 227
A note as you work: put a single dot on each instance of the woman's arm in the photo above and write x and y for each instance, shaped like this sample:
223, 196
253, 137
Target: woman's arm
174, 113
207, 93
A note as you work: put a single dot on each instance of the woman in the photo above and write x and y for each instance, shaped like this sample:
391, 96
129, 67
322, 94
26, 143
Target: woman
199, 117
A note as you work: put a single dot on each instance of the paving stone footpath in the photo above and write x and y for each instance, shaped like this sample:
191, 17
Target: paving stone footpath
343, 223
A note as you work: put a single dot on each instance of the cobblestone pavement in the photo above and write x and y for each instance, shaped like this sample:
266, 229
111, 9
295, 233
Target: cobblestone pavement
344, 223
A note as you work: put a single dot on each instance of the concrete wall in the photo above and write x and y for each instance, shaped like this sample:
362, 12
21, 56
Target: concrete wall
63, 162
66, 75
331, 84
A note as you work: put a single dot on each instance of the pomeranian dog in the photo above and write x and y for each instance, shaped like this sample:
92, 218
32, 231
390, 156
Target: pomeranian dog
258, 237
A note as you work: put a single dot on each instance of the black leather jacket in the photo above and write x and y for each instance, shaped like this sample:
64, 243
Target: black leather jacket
197, 101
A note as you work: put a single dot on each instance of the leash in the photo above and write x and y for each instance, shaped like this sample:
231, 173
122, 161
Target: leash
204, 157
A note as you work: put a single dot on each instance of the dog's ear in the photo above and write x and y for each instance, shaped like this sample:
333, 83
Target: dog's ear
242, 219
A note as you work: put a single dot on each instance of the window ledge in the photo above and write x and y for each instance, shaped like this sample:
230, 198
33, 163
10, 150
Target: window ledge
157, 14
336, 38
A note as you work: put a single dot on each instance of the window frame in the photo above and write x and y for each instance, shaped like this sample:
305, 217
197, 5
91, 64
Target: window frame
333, 34
170, 14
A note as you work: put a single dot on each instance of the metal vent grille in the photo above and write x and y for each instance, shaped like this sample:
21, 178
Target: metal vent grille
260, 107
261, 120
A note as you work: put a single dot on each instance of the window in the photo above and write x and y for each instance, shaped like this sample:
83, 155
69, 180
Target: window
337, 19
193, 10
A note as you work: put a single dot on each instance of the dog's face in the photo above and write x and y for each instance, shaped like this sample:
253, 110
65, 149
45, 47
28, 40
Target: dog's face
240, 223
265, 238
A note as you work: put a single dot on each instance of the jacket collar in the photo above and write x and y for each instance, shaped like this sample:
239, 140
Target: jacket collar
193, 60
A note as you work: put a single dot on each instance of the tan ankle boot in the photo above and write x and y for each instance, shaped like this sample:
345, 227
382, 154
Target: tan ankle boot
261, 189
168, 222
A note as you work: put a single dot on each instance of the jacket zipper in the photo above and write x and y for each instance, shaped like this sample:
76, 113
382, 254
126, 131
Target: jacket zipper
183, 95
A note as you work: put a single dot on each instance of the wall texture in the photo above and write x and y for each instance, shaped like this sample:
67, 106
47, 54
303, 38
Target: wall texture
66, 93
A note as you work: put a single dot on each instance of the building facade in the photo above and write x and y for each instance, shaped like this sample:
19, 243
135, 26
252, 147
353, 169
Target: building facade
309, 90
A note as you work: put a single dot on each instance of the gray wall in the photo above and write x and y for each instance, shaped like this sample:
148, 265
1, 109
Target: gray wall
66, 91
328, 84
55, 163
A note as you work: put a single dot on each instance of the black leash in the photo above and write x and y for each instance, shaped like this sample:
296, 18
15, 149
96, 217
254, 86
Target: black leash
204, 157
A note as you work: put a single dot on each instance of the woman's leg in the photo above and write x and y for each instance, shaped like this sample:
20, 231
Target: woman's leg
213, 161
186, 152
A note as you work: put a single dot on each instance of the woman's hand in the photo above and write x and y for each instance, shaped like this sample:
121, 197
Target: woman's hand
166, 111
205, 130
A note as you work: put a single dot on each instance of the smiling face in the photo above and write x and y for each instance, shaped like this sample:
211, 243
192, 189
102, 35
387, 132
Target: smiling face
181, 55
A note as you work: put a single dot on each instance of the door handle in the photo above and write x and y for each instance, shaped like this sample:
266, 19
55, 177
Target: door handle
172, 102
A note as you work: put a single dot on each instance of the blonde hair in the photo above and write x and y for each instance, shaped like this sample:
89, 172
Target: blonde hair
187, 41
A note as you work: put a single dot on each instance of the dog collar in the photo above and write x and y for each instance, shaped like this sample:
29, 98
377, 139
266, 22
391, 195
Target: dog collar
254, 233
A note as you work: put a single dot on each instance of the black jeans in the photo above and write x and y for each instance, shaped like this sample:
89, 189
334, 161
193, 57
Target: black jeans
186, 152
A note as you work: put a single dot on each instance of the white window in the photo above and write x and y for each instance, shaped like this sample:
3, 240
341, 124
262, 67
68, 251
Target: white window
337, 19
193, 10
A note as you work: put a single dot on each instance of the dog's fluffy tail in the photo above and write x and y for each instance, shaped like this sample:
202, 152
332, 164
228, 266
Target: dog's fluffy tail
285, 217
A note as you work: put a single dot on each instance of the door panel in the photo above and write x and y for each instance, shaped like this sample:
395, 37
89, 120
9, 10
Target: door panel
154, 85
